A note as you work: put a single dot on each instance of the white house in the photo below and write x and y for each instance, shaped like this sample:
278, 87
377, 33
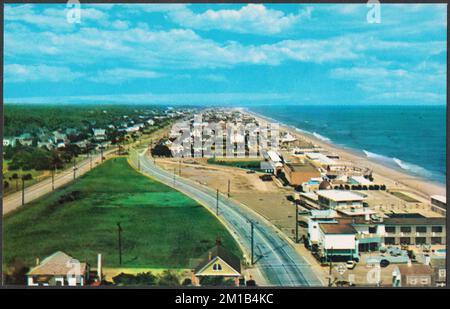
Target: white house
11, 141
99, 134
337, 240
59, 269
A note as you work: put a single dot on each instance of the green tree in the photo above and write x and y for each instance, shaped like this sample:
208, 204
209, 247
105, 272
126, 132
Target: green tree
169, 278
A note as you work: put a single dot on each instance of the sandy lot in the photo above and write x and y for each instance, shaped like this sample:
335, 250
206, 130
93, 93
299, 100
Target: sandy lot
265, 197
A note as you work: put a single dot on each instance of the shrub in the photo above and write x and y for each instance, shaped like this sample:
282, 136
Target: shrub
168, 278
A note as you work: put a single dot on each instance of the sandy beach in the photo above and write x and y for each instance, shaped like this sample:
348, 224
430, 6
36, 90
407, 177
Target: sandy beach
394, 178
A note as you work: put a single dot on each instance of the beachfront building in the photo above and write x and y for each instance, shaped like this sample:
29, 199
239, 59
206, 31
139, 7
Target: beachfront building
414, 229
439, 204
59, 269
319, 159
266, 167
275, 160
340, 199
333, 239
345, 168
312, 185
359, 180
298, 173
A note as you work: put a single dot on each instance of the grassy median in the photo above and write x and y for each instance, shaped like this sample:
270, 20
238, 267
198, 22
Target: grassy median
161, 227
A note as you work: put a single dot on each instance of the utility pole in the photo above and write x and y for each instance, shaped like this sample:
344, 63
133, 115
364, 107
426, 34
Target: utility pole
296, 222
253, 243
74, 169
229, 186
101, 153
119, 230
23, 191
331, 266
217, 202
53, 179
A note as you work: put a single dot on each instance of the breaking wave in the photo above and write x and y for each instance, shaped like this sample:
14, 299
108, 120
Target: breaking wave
416, 169
321, 137
377, 156
409, 167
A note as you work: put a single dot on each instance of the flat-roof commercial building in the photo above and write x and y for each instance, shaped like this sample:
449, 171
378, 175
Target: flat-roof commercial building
333, 239
414, 229
298, 173
340, 199
319, 159
439, 204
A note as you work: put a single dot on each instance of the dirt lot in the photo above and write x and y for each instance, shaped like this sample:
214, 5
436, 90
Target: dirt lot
265, 197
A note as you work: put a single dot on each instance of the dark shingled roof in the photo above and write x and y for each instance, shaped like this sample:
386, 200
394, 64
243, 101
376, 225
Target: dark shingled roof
414, 221
415, 269
225, 255
341, 227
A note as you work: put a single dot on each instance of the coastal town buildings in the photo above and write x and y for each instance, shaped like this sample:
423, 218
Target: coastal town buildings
439, 204
414, 229
340, 199
298, 173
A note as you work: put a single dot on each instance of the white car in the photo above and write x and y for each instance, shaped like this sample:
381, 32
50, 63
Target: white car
350, 264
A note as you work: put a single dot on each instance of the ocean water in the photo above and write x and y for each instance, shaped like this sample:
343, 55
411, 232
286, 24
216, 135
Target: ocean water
410, 138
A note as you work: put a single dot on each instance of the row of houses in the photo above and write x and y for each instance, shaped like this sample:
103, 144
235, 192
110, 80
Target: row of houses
61, 269
60, 138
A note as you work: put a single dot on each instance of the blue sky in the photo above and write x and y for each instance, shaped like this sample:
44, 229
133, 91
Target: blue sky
226, 54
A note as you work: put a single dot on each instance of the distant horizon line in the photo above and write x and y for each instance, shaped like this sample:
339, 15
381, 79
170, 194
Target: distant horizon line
231, 105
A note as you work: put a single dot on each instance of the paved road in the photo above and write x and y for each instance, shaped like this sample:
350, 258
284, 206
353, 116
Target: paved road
14, 200
275, 257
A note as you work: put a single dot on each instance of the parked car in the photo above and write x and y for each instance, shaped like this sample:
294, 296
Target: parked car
384, 263
350, 264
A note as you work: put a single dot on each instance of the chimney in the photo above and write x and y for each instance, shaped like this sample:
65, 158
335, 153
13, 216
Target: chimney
409, 263
209, 256
37, 261
99, 267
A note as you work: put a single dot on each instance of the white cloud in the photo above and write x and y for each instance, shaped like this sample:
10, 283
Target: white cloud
215, 77
15, 73
119, 75
120, 25
424, 82
252, 18
175, 48
54, 18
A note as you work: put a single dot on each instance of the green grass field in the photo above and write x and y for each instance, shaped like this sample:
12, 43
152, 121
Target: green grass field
242, 163
404, 197
162, 228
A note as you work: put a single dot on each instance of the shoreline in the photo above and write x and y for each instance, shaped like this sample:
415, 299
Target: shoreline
399, 179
